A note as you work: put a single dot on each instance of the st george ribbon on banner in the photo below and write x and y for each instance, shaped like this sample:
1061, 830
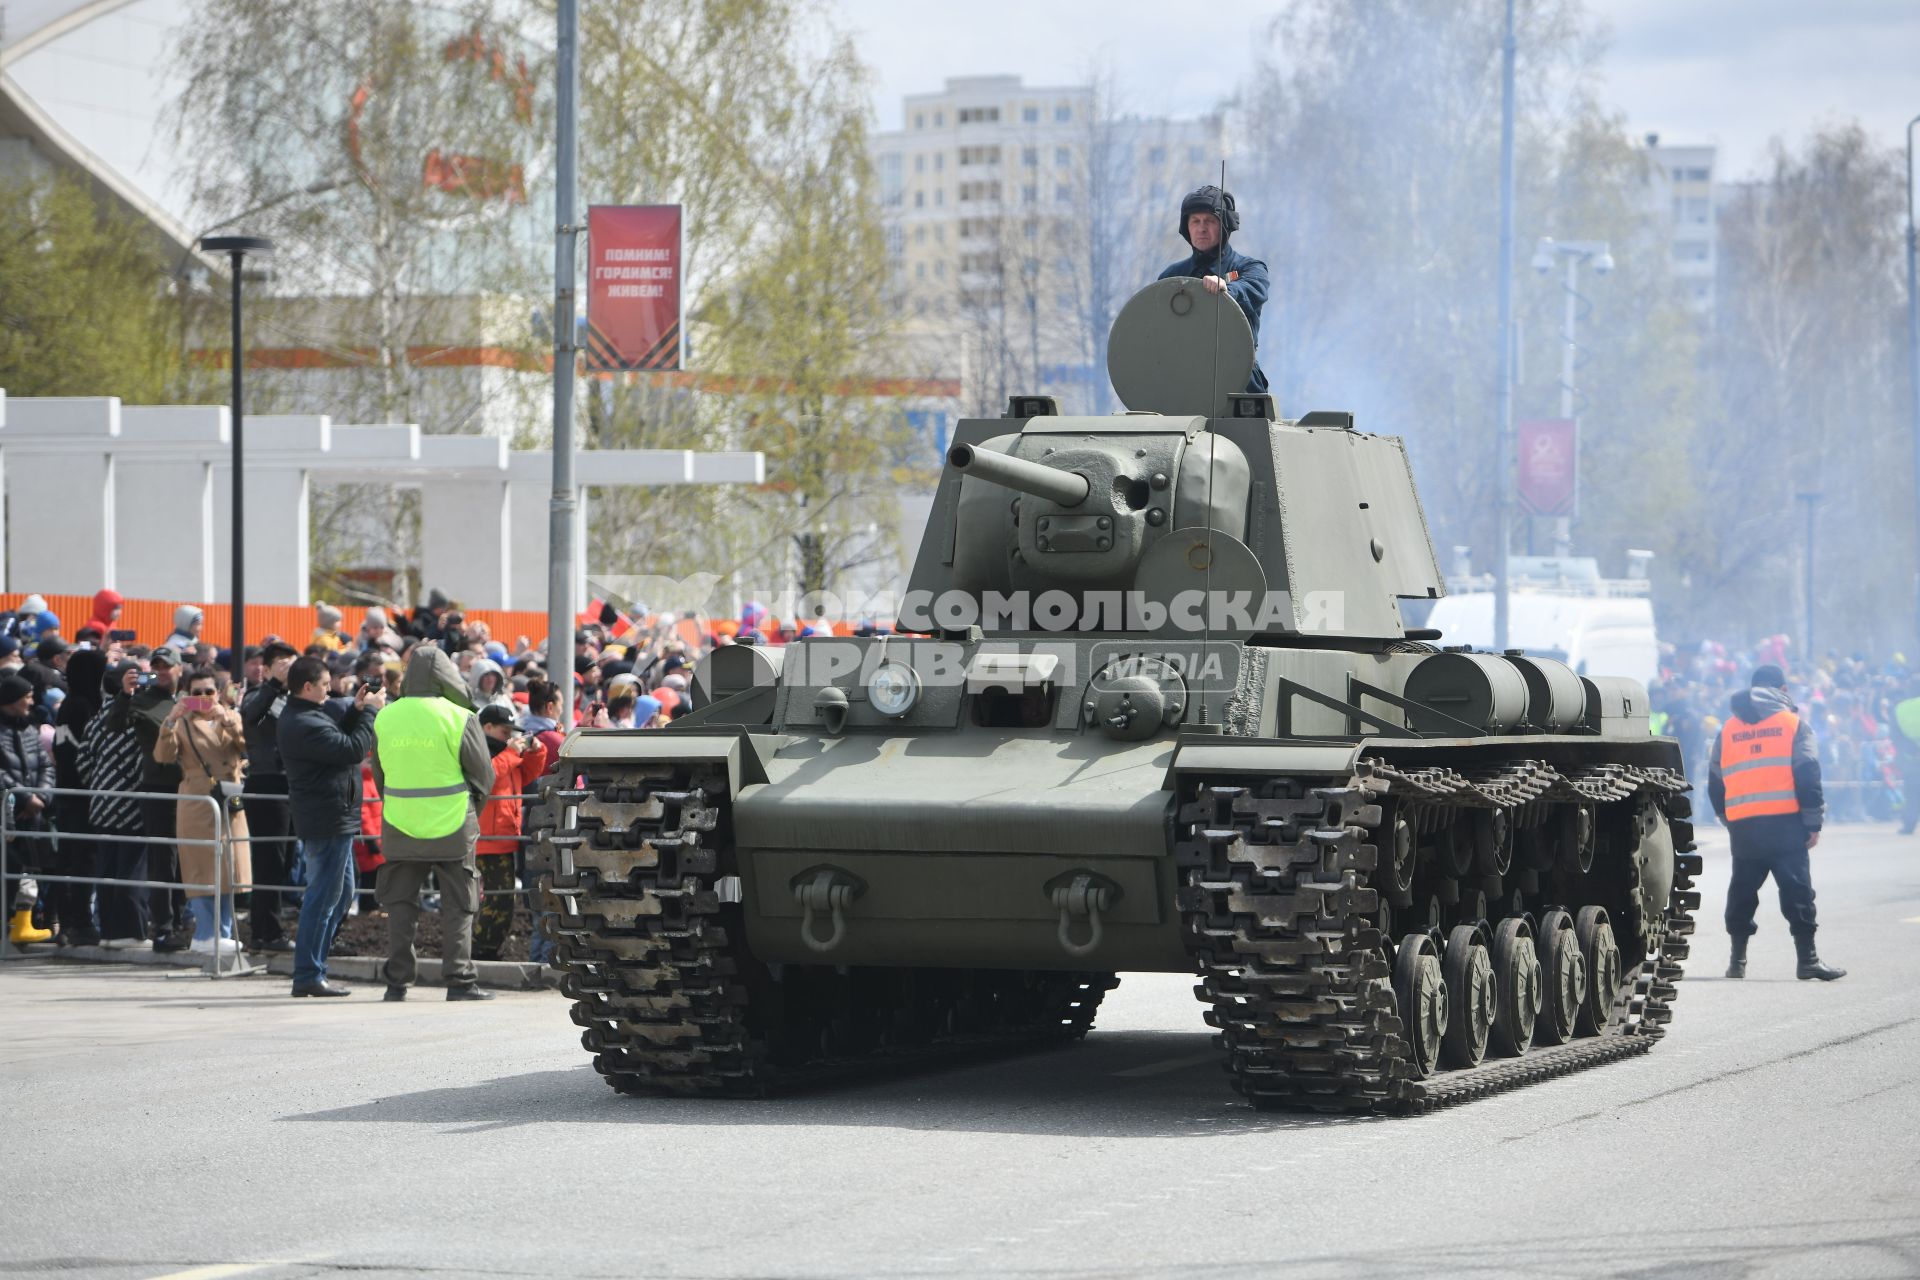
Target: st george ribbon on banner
1549, 466
633, 288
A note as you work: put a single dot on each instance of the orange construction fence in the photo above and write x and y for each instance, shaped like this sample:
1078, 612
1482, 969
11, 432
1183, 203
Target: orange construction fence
151, 621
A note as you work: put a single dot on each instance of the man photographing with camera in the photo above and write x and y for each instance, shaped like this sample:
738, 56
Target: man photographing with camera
266, 793
145, 709
322, 763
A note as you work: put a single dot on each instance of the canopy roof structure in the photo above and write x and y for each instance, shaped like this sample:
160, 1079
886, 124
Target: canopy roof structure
31, 26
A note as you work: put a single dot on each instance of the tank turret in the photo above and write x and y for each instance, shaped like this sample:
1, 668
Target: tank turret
1322, 515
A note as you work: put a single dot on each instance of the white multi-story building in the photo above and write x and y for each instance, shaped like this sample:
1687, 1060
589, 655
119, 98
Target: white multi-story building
1681, 188
1019, 217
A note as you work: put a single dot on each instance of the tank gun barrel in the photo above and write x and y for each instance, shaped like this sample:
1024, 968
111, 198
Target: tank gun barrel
1064, 488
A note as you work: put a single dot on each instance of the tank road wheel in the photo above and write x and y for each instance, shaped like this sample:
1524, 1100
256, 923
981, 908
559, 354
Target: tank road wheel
1517, 973
1468, 972
1422, 997
1492, 842
1399, 851
1453, 850
1563, 978
1603, 968
1575, 837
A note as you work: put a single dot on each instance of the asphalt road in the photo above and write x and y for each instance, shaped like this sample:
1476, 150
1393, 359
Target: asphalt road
154, 1126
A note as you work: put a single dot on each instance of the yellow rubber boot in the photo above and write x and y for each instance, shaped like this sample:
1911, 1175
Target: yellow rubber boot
20, 930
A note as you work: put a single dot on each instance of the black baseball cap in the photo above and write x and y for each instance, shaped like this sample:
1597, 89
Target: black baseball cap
1769, 677
495, 713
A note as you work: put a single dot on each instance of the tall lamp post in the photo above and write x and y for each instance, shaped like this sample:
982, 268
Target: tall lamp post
560, 505
1813, 502
1913, 354
237, 248
1503, 462
1573, 252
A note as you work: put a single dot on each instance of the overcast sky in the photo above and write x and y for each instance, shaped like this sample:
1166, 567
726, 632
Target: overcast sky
1730, 72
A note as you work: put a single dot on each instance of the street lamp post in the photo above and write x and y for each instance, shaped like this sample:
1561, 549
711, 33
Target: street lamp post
561, 504
1913, 362
1574, 252
1813, 501
1503, 435
237, 248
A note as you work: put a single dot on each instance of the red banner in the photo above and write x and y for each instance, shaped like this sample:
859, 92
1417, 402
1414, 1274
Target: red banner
1549, 483
633, 287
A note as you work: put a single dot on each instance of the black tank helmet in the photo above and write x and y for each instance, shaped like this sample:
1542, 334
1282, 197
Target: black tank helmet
1209, 199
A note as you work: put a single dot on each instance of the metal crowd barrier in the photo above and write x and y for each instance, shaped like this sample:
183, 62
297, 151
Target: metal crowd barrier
223, 841
251, 797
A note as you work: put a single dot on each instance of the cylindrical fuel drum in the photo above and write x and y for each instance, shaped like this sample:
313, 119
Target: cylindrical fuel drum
1556, 700
1482, 689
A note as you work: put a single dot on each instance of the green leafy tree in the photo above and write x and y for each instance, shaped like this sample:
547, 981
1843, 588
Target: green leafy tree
86, 304
752, 115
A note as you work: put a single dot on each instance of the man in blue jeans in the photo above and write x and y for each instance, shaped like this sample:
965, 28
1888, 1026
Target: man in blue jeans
322, 764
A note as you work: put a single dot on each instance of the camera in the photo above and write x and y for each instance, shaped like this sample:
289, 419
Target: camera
366, 687
142, 680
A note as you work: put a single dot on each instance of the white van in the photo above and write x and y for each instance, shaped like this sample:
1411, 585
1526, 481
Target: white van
1595, 635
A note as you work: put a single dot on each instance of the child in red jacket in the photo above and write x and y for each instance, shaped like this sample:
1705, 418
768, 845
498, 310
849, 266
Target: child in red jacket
516, 763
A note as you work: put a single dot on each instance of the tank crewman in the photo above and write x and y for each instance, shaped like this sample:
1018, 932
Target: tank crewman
1763, 778
1906, 745
1208, 220
432, 767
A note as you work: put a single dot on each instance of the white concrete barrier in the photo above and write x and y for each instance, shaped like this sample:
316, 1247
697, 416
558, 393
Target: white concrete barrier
140, 499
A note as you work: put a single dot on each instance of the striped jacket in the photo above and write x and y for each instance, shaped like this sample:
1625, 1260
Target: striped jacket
109, 761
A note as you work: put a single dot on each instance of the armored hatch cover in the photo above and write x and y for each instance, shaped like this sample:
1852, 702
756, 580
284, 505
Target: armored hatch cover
1177, 349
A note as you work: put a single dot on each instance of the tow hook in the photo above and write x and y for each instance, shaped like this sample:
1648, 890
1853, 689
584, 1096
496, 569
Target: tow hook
829, 891
1082, 895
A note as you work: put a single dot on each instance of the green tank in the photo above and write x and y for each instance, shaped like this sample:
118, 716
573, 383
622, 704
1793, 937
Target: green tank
1152, 706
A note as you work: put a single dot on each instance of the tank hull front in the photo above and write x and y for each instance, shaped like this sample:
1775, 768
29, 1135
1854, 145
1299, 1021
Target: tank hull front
957, 852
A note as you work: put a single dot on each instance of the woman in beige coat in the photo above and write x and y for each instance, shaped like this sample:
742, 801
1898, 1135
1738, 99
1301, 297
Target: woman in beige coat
204, 737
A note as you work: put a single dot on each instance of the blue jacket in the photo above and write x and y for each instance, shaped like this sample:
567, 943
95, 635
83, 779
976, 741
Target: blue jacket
1249, 289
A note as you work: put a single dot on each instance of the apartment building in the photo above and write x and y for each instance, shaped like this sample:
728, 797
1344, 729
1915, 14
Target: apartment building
1014, 213
1682, 189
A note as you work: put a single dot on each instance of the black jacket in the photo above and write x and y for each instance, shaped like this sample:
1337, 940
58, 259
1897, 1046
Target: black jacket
322, 763
24, 762
42, 677
144, 711
260, 714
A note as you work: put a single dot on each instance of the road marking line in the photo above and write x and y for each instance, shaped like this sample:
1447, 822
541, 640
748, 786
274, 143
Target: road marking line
1171, 1064
221, 1270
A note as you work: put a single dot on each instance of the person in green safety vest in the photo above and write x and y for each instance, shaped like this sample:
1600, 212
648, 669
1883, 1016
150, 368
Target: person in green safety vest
1906, 745
433, 769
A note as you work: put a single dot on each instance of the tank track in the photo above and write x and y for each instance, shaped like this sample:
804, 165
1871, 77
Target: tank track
636, 865
1284, 926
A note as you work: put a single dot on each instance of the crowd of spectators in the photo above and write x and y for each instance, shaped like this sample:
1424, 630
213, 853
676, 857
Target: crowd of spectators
1867, 761
160, 734
156, 732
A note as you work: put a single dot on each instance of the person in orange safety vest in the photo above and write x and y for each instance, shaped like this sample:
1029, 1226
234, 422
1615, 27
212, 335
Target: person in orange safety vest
1763, 778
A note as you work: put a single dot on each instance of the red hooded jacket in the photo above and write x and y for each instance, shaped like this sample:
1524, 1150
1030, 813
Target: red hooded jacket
104, 603
513, 777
